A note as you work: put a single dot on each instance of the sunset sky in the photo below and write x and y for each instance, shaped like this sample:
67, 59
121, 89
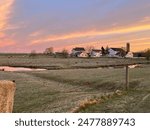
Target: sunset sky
27, 25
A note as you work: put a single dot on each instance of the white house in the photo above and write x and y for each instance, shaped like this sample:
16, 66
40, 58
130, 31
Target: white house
82, 54
116, 52
96, 53
77, 51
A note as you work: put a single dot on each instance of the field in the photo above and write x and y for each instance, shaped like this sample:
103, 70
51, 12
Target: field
71, 82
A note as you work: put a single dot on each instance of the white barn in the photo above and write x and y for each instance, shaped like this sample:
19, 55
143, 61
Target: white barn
129, 55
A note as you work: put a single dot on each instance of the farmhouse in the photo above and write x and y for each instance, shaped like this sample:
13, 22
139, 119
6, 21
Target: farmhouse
77, 51
81, 54
116, 52
96, 53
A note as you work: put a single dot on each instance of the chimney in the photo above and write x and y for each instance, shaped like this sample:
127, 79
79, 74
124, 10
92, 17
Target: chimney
128, 47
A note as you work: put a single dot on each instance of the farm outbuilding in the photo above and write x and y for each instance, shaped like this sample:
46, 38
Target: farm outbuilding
116, 52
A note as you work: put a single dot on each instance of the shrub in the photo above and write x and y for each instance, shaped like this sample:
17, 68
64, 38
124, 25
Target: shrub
33, 53
147, 54
65, 53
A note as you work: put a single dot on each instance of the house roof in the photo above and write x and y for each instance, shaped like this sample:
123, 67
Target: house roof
96, 50
118, 49
79, 49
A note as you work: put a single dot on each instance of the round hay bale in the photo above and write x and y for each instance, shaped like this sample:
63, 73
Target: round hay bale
7, 91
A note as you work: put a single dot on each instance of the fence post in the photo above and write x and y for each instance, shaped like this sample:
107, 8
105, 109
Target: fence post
127, 77
7, 91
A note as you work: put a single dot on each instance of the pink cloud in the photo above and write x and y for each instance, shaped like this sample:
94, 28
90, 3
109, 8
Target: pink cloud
92, 33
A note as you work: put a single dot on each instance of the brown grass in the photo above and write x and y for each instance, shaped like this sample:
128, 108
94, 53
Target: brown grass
88, 102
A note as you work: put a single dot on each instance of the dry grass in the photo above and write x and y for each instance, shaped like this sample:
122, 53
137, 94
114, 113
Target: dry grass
42, 61
98, 100
63, 90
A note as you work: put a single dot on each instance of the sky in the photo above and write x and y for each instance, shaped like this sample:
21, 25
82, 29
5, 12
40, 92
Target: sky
27, 25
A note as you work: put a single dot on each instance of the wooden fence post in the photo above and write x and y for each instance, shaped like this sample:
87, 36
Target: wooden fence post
7, 91
127, 77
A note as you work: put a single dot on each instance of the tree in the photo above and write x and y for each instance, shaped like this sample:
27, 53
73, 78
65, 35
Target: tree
89, 49
65, 53
107, 50
103, 50
33, 53
147, 53
49, 51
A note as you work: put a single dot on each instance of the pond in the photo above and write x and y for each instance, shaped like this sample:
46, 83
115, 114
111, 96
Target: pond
12, 69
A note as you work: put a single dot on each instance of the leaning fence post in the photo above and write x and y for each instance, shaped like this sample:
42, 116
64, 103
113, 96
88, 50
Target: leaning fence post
127, 77
7, 91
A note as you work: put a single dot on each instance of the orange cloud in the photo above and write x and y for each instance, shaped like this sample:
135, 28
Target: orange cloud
123, 30
145, 20
5, 9
133, 40
34, 34
137, 44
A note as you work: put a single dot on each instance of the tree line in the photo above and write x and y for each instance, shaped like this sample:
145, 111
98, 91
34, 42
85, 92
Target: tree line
65, 52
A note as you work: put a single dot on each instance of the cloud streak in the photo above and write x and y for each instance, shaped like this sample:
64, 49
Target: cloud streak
5, 9
113, 43
92, 33
27, 25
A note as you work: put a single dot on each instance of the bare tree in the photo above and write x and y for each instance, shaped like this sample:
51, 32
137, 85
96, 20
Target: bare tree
103, 51
33, 53
147, 52
107, 49
89, 49
49, 51
65, 53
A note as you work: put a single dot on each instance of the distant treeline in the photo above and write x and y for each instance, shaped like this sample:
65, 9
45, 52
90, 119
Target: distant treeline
17, 54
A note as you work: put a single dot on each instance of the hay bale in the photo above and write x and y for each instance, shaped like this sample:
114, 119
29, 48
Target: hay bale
7, 91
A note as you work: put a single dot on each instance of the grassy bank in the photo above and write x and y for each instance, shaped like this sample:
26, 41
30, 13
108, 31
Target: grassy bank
133, 101
44, 61
63, 90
